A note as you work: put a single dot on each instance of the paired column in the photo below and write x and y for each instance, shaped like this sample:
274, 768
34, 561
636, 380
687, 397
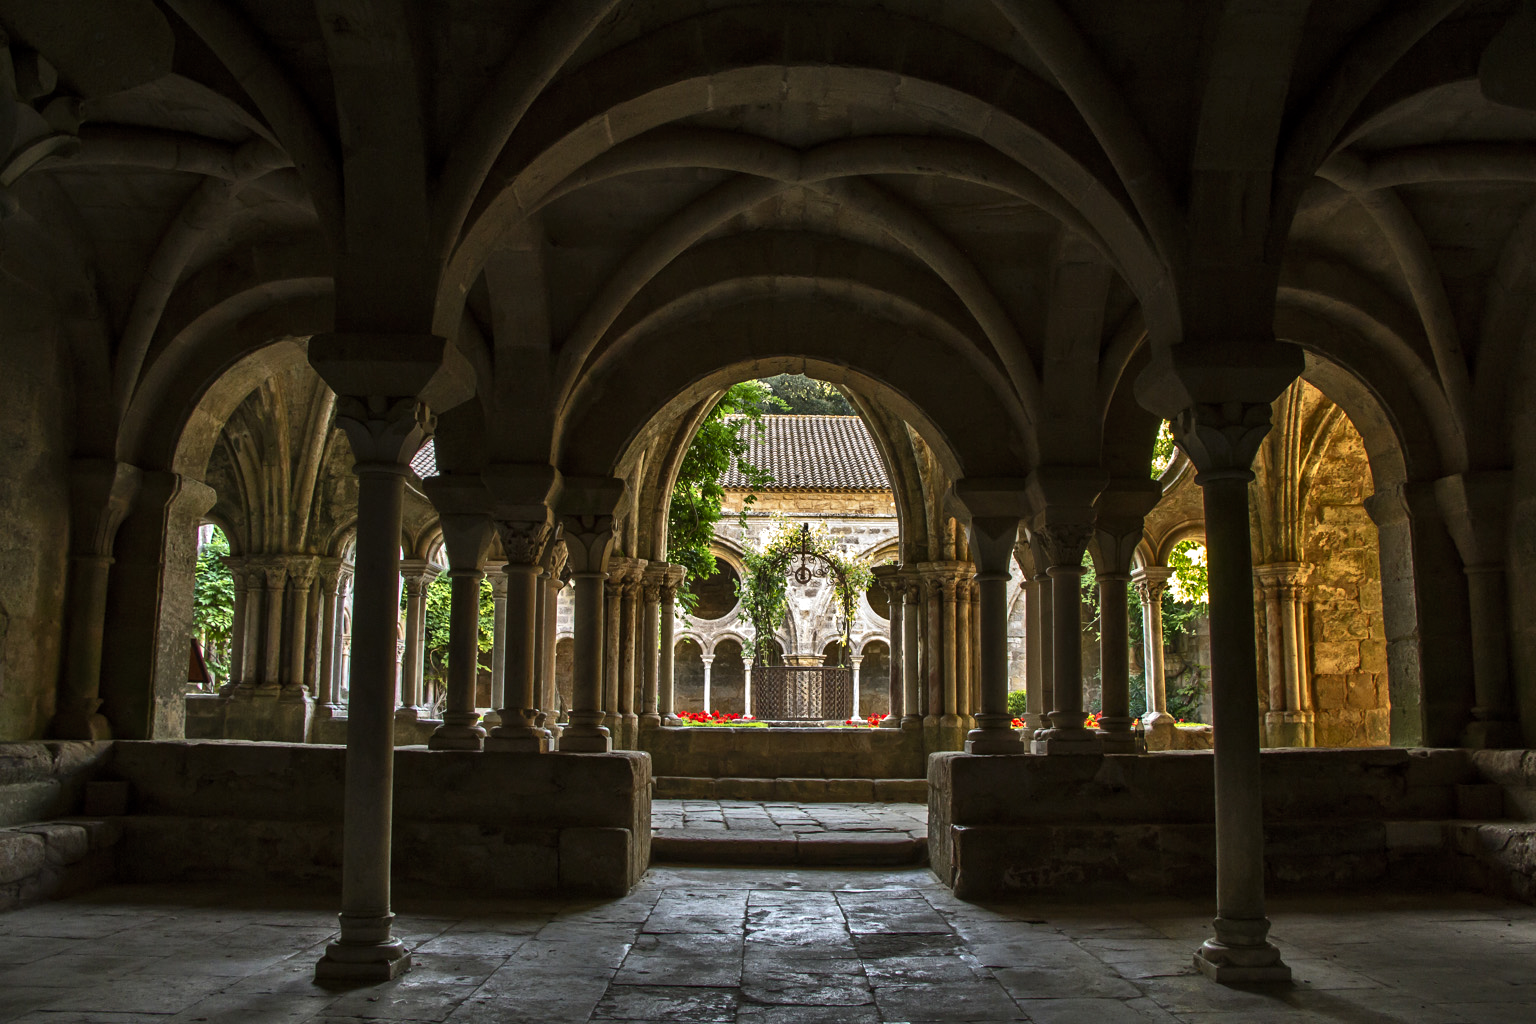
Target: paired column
589, 539
1122, 509
551, 582
650, 637
237, 574
301, 581
466, 536
333, 577
1157, 723
992, 541
523, 542
497, 572
911, 652
666, 645
1064, 544
629, 655
613, 619
1038, 644
1289, 722
890, 580
418, 575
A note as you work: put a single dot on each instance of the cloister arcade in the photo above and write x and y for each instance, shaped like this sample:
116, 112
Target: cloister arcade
254, 255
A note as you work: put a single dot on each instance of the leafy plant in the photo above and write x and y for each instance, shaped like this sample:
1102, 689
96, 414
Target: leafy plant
1163, 450
697, 496
438, 614
213, 604
1018, 703
763, 590
806, 396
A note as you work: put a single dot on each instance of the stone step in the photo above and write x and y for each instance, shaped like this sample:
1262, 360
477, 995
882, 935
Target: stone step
774, 846
838, 791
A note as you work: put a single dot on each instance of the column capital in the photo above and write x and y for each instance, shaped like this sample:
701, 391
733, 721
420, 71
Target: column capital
523, 541
1063, 542
419, 572
330, 571
1150, 581
101, 492
588, 543
1221, 440
1283, 574
383, 432
495, 572
992, 540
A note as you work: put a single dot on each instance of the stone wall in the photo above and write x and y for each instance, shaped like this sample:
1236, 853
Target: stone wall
41, 780
35, 442
719, 752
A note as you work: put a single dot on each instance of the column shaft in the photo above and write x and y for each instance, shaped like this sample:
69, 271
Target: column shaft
709, 660
461, 728
665, 653
586, 732
499, 643
911, 681
650, 632
519, 730
1115, 664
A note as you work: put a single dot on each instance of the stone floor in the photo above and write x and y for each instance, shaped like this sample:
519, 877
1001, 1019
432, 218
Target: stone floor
787, 818
768, 947
800, 834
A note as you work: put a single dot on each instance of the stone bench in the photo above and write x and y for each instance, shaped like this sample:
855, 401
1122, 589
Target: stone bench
49, 859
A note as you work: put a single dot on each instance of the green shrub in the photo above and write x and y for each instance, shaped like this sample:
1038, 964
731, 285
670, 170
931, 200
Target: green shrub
1017, 703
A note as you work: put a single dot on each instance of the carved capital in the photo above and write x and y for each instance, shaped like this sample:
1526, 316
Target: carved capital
1221, 440
329, 570
523, 541
1063, 543
384, 432
1150, 582
891, 581
588, 542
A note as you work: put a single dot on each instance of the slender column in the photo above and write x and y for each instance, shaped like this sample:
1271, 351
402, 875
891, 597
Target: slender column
314, 637
856, 661
992, 542
911, 712
1064, 544
588, 542
1115, 663
889, 578
666, 646
746, 688
1150, 583
629, 639
1037, 669
276, 575
613, 614
963, 705
237, 632
650, 634
523, 543
418, 575
498, 577
365, 949
1289, 721
709, 660
933, 597
551, 582
330, 627
301, 580
461, 728
974, 644
255, 616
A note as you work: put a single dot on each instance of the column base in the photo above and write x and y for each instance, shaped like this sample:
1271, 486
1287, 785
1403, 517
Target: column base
911, 723
993, 741
490, 719
368, 963
629, 729
517, 739
890, 722
294, 694
1158, 727
409, 713
330, 712
1241, 965
1066, 741
1492, 735
1288, 729
460, 731
1116, 736
670, 720
585, 739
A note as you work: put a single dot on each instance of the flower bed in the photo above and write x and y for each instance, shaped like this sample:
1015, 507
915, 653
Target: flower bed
719, 718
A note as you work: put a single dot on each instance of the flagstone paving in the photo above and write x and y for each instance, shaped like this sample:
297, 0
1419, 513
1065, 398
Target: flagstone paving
759, 946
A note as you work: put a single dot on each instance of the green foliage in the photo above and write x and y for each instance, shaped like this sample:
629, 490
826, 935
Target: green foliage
439, 608
696, 497
1162, 450
213, 605
763, 589
1018, 703
806, 396
1191, 582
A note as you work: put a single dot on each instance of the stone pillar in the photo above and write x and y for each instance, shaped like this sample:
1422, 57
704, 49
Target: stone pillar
613, 615
1115, 663
1221, 441
498, 700
523, 542
255, 616
992, 541
1157, 723
666, 646
911, 710
963, 706
650, 638
629, 655
973, 642
384, 435
275, 575
466, 538
889, 578
589, 540
933, 665
100, 494
236, 568
746, 688
301, 580
856, 661
1037, 652
1290, 719
327, 703
551, 583
708, 659
418, 574
1064, 544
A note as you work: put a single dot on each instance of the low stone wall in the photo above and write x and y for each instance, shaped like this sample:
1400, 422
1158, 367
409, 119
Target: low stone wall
55, 858
46, 779
213, 716
270, 813
756, 753
1017, 826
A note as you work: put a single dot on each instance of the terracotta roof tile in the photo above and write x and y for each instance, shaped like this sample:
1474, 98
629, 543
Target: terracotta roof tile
815, 453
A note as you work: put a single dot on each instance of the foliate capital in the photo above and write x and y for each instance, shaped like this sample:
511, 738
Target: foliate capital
524, 540
1063, 543
384, 432
1150, 582
1221, 440
588, 542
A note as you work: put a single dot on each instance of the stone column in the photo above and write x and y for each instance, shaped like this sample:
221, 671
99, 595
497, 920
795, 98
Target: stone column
100, 494
1150, 582
963, 706
418, 574
911, 711
383, 435
551, 583
588, 542
523, 542
974, 643
992, 541
498, 577
933, 663
1221, 442
666, 646
1037, 646
1290, 720
327, 704
313, 634
275, 574
613, 615
889, 578
1115, 663
301, 580
650, 634
255, 617
856, 661
746, 688
709, 660
466, 538
236, 568
629, 655
1064, 544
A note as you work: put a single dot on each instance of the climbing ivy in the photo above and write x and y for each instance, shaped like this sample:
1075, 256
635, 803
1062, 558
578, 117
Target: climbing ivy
213, 604
764, 588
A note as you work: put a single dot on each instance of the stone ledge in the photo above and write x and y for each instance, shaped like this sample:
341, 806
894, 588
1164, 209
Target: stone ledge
46, 860
675, 787
770, 847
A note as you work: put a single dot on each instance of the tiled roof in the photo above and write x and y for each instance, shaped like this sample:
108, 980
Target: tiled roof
814, 453
803, 453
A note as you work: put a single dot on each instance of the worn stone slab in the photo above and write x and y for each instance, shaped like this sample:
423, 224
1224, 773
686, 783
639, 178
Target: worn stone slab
22, 855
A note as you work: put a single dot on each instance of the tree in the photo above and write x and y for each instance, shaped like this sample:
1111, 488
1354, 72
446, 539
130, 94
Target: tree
697, 496
213, 605
439, 605
806, 396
